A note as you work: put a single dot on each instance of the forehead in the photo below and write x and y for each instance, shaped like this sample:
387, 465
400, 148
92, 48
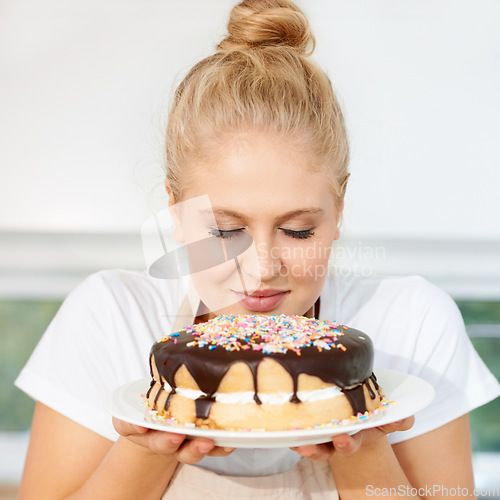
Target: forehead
260, 172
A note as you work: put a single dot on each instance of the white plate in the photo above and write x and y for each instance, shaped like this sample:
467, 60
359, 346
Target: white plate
409, 393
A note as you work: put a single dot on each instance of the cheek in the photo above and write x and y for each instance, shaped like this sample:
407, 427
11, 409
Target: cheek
210, 279
307, 262
209, 286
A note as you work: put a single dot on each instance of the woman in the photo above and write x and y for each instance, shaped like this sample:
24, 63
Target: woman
257, 128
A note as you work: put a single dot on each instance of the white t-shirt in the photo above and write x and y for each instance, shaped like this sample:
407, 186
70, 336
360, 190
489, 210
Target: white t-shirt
101, 337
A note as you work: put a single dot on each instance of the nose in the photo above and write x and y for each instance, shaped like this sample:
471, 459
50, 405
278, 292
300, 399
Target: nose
268, 263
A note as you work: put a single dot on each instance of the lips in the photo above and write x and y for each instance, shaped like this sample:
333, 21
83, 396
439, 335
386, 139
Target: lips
262, 300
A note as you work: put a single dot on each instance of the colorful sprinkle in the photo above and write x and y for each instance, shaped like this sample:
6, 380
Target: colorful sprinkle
271, 334
361, 417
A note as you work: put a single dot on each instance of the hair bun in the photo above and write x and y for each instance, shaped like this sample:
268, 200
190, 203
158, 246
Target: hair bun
264, 23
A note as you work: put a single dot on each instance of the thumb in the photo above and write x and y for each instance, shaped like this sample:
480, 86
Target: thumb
126, 429
399, 425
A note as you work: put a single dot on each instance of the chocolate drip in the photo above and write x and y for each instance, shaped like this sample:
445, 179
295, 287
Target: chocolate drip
369, 387
347, 369
158, 395
373, 378
253, 367
295, 399
356, 395
169, 397
150, 388
356, 398
152, 377
203, 406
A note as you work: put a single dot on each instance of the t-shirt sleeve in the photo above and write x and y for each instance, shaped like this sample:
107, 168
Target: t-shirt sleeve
443, 355
69, 370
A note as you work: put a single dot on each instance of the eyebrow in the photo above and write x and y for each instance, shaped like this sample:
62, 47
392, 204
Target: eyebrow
285, 216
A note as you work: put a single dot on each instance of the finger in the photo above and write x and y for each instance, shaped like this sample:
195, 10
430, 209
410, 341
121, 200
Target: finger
219, 451
317, 453
305, 450
126, 429
346, 445
400, 425
160, 442
191, 452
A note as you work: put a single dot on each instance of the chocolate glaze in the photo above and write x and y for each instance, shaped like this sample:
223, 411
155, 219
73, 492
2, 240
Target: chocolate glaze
350, 370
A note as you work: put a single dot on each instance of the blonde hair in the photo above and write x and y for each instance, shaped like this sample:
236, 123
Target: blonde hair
260, 78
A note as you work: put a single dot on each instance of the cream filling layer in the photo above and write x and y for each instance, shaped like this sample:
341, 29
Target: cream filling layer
267, 398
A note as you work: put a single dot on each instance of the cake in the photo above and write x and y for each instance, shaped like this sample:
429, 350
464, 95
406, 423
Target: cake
263, 372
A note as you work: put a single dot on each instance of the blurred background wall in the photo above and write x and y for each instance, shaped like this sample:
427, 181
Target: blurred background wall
84, 90
85, 86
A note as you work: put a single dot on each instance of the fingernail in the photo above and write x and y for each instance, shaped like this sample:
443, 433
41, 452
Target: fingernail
228, 450
341, 445
204, 447
307, 452
177, 439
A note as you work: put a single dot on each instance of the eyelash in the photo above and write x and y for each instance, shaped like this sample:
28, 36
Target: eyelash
297, 235
225, 235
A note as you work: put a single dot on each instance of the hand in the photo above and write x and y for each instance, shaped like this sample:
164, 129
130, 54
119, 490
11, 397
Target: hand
170, 444
346, 445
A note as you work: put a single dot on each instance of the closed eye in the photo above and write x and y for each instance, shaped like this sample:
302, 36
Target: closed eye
225, 234
299, 235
